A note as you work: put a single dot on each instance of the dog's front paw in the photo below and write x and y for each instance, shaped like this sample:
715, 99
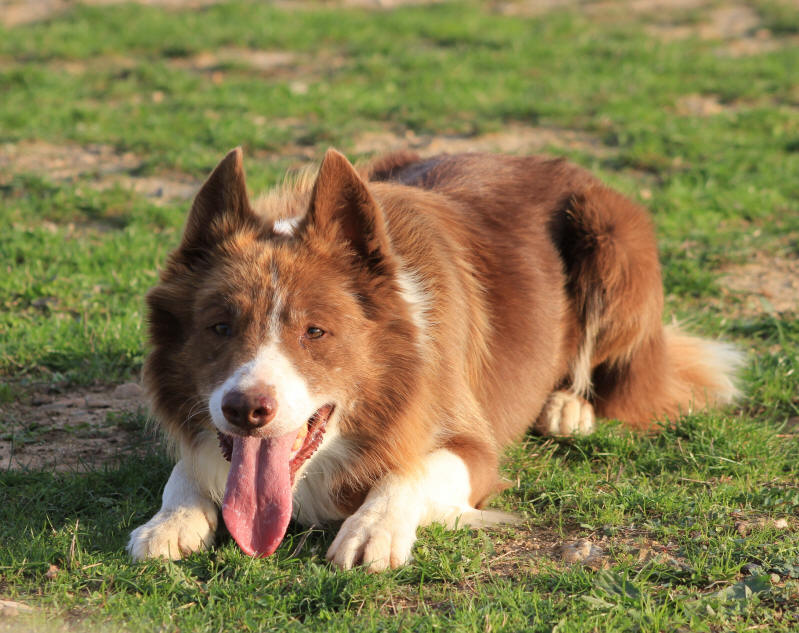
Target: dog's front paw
174, 533
566, 414
375, 539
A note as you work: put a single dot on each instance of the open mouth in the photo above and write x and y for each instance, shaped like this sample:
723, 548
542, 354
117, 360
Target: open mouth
258, 495
308, 439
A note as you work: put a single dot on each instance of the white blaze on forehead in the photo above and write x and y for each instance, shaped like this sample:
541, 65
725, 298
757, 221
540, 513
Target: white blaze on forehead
286, 226
271, 368
278, 303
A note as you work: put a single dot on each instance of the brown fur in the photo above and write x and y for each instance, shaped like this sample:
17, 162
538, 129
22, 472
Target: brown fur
534, 272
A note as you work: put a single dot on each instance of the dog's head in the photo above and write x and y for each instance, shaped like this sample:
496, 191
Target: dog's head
266, 330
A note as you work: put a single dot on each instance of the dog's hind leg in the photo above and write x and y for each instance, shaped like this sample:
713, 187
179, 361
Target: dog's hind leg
628, 365
565, 413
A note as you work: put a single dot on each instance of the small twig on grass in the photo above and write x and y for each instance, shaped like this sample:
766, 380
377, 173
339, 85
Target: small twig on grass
696, 481
73, 544
303, 538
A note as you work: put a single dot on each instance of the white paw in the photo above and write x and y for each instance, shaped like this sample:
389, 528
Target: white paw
566, 414
174, 533
375, 539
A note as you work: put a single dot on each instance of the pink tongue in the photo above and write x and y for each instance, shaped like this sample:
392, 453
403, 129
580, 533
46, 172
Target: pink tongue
257, 503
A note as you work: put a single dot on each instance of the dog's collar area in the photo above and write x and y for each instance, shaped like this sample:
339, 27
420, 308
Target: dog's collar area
314, 432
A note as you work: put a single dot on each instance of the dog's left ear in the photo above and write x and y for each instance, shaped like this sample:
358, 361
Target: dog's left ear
341, 202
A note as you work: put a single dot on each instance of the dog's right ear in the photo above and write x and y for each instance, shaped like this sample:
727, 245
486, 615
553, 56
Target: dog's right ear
341, 204
220, 208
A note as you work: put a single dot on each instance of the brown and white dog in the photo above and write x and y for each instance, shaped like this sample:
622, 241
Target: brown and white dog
362, 345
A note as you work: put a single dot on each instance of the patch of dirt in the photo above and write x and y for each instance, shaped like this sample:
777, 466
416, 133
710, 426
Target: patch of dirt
158, 188
352, 4
17, 12
69, 431
738, 29
536, 547
513, 139
264, 61
168, 4
744, 528
63, 162
11, 608
106, 166
645, 7
112, 64
725, 23
378, 4
533, 8
700, 105
299, 69
765, 283
584, 552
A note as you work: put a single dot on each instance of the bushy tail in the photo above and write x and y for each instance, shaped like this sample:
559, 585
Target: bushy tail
668, 375
628, 365
704, 372
472, 517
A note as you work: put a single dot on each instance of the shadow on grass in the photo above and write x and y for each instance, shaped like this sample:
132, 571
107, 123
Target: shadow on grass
43, 508
104, 503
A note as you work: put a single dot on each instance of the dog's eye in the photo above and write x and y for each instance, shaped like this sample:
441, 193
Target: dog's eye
314, 332
222, 329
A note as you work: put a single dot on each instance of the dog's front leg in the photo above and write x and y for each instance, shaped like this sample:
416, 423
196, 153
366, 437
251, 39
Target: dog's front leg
382, 531
188, 517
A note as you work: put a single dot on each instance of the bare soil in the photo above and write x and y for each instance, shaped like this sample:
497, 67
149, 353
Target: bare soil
700, 105
602, 8
515, 138
102, 164
534, 548
16, 12
737, 28
300, 69
262, 60
74, 430
764, 283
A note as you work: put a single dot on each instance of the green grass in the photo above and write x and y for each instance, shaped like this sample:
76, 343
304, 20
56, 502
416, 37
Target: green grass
77, 260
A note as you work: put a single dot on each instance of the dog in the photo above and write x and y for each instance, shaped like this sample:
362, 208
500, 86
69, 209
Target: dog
361, 344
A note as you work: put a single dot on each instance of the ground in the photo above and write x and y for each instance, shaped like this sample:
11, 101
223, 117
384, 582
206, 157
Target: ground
114, 112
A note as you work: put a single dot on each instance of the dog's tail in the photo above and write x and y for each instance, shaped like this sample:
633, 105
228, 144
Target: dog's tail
703, 372
666, 376
628, 365
473, 517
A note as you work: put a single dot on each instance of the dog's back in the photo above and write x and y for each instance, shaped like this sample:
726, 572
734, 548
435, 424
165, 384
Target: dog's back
567, 274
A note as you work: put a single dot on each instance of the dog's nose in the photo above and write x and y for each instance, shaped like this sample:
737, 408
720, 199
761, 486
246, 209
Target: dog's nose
249, 409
